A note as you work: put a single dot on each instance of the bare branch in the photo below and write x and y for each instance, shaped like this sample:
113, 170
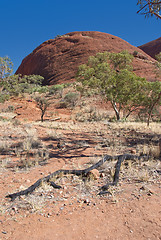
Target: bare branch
151, 7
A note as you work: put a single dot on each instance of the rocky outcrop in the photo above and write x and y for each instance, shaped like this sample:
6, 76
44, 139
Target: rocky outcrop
152, 48
57, 60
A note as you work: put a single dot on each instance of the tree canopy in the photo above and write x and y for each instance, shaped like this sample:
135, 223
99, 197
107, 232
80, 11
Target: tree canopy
150, 8
6, 67
110, 74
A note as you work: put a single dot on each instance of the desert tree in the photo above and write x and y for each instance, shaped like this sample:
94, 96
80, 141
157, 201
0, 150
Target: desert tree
152, 94
152, 99
6, 67
110, 74
42, 104
150, 7
15, 85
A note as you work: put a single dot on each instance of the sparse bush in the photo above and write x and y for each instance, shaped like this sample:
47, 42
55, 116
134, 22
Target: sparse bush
16, 122
135, 53
61, 104
10, 108
15, 85
90, 115
6, 67
158, 57
40, 89
56, 89
3, 97
71, 99
43, 104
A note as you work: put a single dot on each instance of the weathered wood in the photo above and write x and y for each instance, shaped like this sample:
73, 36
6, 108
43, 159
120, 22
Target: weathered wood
84, 172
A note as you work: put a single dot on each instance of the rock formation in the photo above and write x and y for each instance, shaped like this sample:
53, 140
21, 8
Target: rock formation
57, 60
152, 48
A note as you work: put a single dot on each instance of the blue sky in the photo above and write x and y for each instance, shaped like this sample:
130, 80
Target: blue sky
26, 24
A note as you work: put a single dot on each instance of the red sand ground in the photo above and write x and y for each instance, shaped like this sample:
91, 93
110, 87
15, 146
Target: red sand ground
132, 212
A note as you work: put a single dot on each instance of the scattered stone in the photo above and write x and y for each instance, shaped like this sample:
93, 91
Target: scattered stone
133, 151
62, 182
49, 215
94, 174
27, 181
16, 180
102, 175
15, 209
87, 201
148, 191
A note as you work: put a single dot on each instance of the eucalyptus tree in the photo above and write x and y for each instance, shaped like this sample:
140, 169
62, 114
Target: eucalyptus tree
150, 8
110, 75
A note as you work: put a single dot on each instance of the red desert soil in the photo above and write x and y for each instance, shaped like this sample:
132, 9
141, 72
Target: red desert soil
57, 60
152, 48
131, 210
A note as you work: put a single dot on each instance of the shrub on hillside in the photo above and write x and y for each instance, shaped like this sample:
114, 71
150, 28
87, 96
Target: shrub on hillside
71, 99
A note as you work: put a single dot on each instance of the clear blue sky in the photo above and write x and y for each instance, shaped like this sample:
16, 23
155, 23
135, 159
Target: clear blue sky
25, 24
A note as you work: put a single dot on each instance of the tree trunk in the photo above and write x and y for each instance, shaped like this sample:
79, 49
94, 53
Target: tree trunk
160, 147
152, 107
42, 117
116, 111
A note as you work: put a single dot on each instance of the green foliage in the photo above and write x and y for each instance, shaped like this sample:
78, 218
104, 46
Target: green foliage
3, 98
152, 98
15, 84
57, 36
56, 89
60, 36
158, 57
40, 89
121, 60
43, 104
6, 67
71, 99
135, 53
110, 74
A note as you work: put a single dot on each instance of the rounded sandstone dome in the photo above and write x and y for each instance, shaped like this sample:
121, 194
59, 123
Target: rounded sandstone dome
57, 60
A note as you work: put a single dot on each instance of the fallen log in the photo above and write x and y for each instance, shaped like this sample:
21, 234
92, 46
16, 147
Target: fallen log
83, 172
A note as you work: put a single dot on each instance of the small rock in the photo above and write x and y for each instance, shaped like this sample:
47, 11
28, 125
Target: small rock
94, 173
133, 151
149, 191
16, 181
102, 175
87, 201
62, 182
27, 181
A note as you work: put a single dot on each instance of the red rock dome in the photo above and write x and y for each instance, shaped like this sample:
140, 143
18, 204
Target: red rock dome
57, 60
152, 48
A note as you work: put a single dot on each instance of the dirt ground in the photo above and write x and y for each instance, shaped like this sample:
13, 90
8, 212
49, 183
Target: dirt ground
31, 150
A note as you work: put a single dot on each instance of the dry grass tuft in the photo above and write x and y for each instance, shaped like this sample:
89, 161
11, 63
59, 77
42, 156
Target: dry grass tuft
142, 127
